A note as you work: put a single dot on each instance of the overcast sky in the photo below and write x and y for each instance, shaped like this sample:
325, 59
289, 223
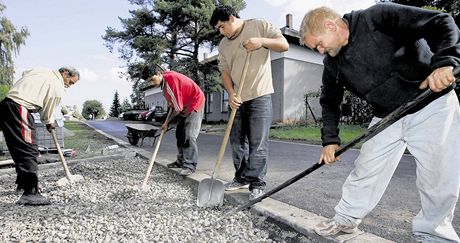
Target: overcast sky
66, 32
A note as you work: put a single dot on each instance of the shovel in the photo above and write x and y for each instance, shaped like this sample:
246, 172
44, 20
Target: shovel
210, 190
144, 186
371, 132
69, 178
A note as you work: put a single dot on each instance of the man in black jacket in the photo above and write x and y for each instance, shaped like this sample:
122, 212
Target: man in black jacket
387, 54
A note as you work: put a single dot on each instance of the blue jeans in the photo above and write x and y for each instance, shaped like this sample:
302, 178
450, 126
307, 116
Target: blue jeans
187, 131
249, 141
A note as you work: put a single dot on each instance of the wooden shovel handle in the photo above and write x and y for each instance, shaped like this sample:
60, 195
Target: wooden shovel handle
232, 117
61, 156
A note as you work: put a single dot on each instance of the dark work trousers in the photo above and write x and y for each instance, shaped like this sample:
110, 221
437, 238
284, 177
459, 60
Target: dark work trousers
18, 127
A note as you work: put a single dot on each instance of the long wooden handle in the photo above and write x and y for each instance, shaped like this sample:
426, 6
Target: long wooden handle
152, 159
232, 117
155, 151
61, 156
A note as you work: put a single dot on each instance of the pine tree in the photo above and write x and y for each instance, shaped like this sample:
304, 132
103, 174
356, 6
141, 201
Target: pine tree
166, 32
126, 106
116, 106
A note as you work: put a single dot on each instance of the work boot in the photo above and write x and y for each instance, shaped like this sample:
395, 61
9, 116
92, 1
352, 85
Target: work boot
174, 164
235, 185
33, 198
330, 227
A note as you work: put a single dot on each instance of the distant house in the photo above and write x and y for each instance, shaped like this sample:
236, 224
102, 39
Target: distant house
154, 97
295, 73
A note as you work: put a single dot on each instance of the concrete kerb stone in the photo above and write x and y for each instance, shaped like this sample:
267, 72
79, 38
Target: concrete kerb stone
298, 219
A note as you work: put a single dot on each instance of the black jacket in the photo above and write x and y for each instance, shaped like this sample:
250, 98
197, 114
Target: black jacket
391, 49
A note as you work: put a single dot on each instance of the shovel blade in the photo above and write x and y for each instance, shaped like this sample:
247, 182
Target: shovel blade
210, 193
73, 178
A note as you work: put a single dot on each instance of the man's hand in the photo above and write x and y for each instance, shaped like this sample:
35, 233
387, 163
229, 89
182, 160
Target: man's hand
235, 103
50, 127
254, 43
439, 79
328, 154
164, 127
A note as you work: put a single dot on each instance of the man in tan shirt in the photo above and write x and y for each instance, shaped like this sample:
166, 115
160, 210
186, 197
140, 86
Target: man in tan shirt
249, 135
39, 90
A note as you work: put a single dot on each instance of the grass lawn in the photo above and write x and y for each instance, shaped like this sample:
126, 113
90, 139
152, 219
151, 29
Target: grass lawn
312, 134
82, 137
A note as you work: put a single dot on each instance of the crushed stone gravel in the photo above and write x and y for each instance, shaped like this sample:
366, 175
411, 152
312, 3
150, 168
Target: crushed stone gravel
108, 207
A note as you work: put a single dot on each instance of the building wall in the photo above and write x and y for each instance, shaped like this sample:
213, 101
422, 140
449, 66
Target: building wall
297, 73
301, 78
154, 97
278, 86
215, 111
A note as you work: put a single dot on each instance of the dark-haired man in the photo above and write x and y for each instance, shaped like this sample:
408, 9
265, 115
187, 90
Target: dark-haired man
186, 100
38, 90
250, 131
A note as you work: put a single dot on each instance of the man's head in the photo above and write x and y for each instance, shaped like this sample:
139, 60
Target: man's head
70, 75
324, 30
226, 20
153, 75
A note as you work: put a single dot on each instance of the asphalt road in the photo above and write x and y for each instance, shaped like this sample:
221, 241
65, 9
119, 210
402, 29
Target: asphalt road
318, 192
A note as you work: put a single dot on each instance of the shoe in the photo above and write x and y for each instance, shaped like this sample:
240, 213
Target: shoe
330, 227
174, 165
235, 185
33, 198
186, 172
255, 193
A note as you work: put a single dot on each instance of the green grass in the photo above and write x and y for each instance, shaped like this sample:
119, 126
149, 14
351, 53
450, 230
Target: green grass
312, 134
84, 136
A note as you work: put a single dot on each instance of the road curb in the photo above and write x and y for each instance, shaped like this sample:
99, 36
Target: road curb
298, 219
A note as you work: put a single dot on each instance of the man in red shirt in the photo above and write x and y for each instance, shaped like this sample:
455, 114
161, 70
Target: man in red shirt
186, 100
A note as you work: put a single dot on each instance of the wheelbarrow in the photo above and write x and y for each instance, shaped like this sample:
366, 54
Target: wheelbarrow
141, 131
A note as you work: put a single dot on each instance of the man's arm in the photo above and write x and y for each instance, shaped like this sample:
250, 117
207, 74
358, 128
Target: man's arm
278, 44
228, 85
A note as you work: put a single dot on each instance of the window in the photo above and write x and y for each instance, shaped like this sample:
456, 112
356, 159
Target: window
224, 102
209, 98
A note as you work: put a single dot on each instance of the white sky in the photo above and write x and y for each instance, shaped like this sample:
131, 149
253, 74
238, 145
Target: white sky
66, 32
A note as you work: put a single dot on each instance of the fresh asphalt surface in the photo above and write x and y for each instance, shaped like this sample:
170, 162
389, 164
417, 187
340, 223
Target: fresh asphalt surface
318, 192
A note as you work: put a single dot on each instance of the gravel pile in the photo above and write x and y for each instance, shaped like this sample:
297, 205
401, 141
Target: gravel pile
108, 207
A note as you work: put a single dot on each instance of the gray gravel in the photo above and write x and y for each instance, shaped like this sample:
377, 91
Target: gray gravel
109, 207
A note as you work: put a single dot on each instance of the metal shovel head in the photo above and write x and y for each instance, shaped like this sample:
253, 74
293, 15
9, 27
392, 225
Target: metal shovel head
210, 193
73, 178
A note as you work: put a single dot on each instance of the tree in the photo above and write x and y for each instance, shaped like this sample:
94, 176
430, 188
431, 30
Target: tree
93, 109
77, 113
116, 106
64, 110
166, 32
126, 106
449, 6
10, 42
